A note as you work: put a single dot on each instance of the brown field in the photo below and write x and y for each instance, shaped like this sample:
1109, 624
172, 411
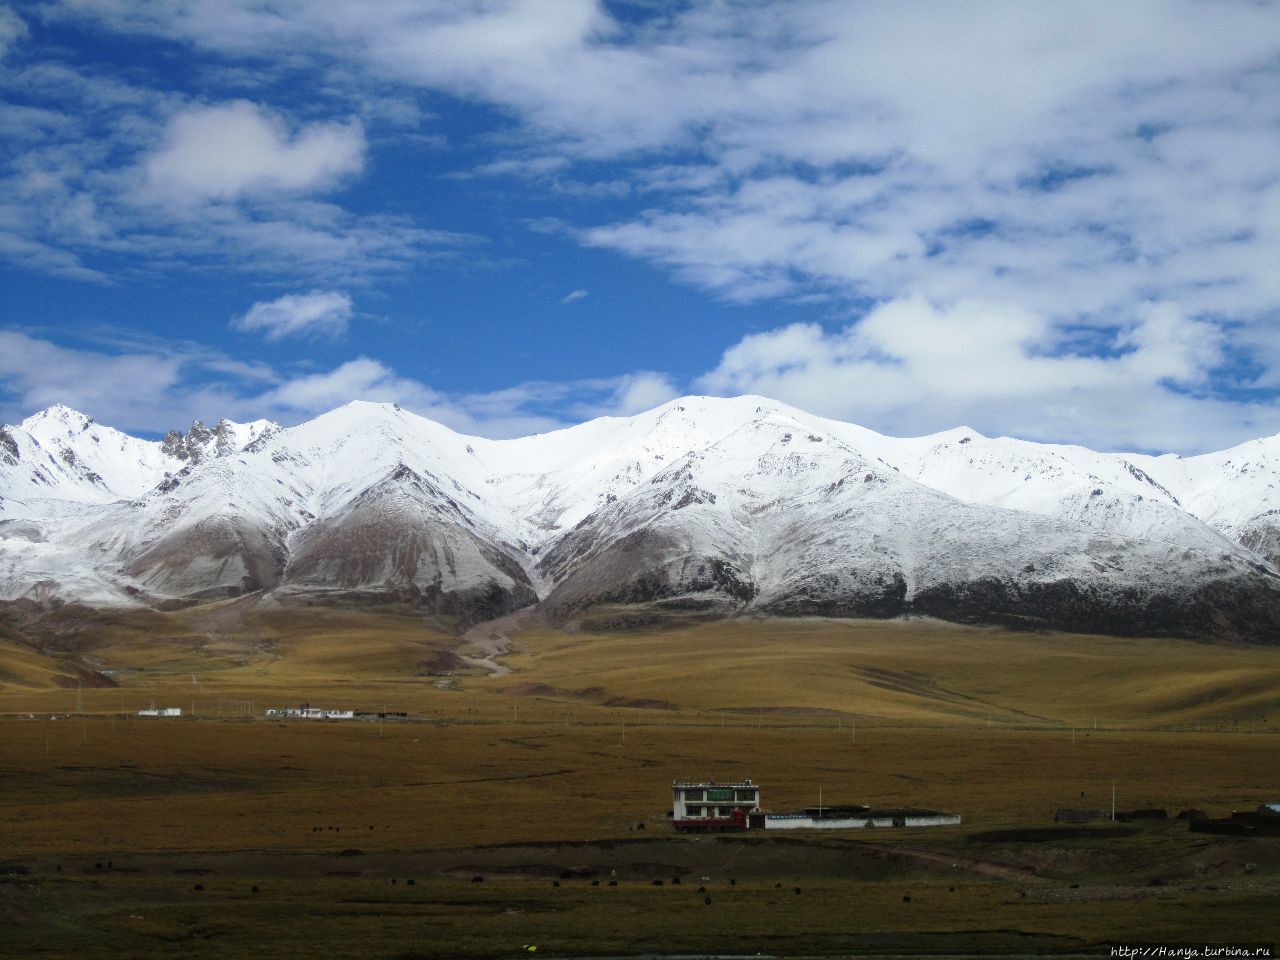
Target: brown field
557, 774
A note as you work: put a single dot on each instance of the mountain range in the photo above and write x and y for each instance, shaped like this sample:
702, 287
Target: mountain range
713, 506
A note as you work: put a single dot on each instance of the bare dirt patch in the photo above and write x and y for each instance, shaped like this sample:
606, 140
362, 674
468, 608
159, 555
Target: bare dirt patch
483, 643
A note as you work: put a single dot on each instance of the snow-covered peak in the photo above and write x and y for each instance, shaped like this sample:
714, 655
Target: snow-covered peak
60, 459
364, 416
57, 420
555, 479
961, 434
358, 410
537, 487
362, 435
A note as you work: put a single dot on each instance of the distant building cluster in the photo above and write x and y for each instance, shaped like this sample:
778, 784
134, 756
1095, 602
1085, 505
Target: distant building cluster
153, 711
308, 712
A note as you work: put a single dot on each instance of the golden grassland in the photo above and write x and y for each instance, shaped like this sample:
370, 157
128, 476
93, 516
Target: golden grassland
915, 671
108, 821
903, 671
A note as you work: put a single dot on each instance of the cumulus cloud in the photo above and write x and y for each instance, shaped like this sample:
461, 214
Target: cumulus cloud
519, 410
36, 373
634, 393
501, 413
320, 312
996, 368
1002, 369
73, 204
233, 149
359, 379
575, 295
171, 383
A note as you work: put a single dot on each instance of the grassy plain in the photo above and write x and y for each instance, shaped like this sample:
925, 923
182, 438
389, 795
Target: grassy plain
555, 775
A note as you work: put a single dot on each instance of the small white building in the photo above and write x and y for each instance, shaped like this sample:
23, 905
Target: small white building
707, 805
161, 712
307, 712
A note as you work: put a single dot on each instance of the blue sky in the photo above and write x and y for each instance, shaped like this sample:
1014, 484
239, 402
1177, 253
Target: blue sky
1054, 221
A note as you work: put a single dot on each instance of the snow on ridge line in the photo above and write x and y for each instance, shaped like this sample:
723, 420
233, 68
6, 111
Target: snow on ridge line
758, 497
563, 473
724, 406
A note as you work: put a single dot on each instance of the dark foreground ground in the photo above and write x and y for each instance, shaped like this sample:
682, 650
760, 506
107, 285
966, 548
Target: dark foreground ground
328, 841
658, 896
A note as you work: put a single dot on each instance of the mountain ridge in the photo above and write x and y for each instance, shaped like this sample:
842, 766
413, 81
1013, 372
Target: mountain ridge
722, 505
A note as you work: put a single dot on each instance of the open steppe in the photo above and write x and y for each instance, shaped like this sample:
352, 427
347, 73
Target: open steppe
225, 834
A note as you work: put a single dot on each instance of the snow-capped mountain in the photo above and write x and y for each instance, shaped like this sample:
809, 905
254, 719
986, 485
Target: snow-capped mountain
61, 457
722, 505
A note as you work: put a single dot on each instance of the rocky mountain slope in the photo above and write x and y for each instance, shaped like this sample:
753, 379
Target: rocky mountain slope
718, 505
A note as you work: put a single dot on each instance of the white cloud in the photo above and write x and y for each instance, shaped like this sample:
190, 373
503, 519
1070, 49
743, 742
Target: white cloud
823, 147
12, 29
984, 364
235, 149
821, 80
520, 410
39, 373
913, 367
69, 208
575, 295
171, 383
1016, 183
298, 397
168, 384
359, 379
637, 392
320, 312
43, 258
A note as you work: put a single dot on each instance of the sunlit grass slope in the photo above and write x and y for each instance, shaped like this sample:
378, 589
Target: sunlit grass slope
906, 670
841, 671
